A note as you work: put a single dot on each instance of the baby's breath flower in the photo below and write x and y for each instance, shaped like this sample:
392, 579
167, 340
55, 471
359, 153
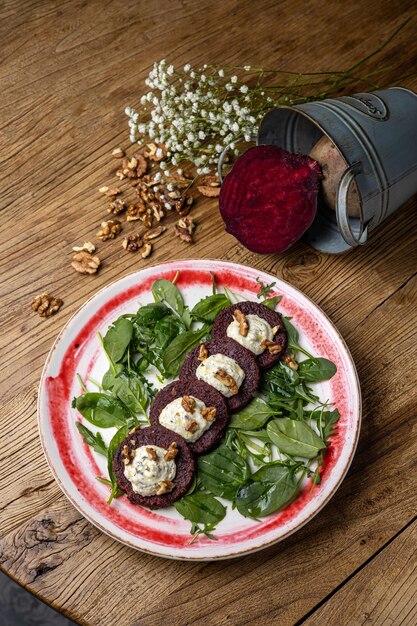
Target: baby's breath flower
187, 68
244, 89
233, 79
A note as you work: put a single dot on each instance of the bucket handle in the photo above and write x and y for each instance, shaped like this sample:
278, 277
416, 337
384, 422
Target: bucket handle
342, 217
222, 156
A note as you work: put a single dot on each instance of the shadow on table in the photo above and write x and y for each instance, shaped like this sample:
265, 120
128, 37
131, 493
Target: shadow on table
19, 607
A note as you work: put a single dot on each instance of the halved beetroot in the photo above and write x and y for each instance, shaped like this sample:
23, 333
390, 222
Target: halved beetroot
269, 198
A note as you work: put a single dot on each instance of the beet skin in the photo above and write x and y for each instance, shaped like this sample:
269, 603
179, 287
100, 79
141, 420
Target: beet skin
269, 198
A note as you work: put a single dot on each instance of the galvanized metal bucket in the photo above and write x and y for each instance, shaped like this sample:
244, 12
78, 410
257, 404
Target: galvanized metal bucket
376, 133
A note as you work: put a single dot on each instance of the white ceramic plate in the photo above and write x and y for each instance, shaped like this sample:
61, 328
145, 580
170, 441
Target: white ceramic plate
164, 532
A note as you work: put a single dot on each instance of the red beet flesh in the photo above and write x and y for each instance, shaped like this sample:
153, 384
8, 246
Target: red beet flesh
269, 198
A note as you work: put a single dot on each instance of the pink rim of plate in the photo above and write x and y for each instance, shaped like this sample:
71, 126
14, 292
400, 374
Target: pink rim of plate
75, 468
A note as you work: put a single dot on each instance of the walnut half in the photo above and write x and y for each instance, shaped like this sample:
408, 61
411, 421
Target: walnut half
242, 321
46, 305
188, 404
273, 348
85, 263
227, 380
164, 486
171, 452
209, 413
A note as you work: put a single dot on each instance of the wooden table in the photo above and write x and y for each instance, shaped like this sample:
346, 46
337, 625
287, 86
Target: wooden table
68, 70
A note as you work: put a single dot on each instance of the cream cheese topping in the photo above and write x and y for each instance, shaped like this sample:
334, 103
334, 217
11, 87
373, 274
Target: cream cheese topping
176, 418
259, 330
145, 473
208, 369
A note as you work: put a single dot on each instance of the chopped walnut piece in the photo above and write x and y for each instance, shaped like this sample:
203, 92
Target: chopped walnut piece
109, 230
242, 321
153, 233
192, 426
275, 330
288, 360
142, 165
209, 413
85, 263
118, 153
151, 452
90, 247
129, 167
46, 305
203, 353
164, 486
117, 206
147, 219
135, 211
273, 348
146, 250
188, 403
155, 152
134, 429
227, 380
120, 175
110, 191
171, 452
184, 229
183, 205
209, 186
157, 210
126, 455
132, 243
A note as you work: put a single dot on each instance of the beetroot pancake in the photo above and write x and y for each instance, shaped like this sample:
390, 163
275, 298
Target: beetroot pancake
266, 359
161, 438
244, 361
206, 394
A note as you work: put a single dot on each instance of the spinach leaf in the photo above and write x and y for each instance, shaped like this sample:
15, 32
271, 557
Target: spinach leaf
111, 374
113, 445
253, 416
118, 338
101, 410
271, 303
201, 508
132, 392
150, 313
166, 330
292, 332
94, 441
178, 349
295, 438
222, 471
316, 370
270, 489
164, 290
208, 308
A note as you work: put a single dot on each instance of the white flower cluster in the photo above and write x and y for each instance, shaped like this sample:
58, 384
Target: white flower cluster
195, 114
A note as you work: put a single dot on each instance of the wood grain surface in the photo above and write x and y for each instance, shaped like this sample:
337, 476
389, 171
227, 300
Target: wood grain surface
68, 70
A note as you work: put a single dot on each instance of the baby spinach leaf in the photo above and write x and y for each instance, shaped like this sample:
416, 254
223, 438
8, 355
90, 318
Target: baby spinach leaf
295, 438
94, 441
316, 370
271, 488
101, 410
271, 303
222, 471
111, 374
130, 388
113, 445
118, 338
178, 349
208, 308
201, 508
164, 290
253, 416
292, 332
166, 330
151, 313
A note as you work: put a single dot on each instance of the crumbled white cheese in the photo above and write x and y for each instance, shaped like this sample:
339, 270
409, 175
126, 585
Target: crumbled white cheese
144, 473
208, 369
174, 417
259, 330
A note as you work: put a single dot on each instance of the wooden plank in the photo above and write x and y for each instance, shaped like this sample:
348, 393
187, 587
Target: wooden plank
383, 593
68, 69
